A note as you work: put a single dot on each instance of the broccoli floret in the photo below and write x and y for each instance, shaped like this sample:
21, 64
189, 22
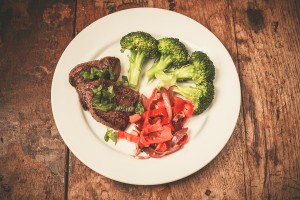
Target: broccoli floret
172, 53
201, 96
200, 69
142, 46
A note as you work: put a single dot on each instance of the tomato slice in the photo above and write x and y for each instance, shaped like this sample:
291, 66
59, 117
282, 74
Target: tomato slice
134, 118
128, 136
160, 111
188, 109
162, 147
153, 128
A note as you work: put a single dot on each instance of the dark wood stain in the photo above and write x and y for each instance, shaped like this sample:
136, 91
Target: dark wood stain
255, 19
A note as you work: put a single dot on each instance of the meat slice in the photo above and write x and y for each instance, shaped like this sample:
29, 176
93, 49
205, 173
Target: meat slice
106, 63
124, 96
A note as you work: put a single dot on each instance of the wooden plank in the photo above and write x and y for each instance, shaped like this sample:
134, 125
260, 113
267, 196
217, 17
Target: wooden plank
268, 45
33, 35
223, 178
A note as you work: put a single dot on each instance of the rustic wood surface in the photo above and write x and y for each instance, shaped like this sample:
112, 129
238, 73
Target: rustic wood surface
261, 159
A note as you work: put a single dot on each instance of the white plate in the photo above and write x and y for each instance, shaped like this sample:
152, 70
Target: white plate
209, 131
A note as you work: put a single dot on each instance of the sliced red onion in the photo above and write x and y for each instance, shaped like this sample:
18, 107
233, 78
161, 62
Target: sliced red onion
167, 102
178, 116
178, 135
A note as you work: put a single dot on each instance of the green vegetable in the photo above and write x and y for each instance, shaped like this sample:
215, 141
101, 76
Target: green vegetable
201, 95
124, 79
104, 100
200, 69
111, 134
139, 109
94, 73
142, 46
172, 53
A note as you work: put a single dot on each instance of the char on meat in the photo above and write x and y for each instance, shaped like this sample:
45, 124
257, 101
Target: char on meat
124, 95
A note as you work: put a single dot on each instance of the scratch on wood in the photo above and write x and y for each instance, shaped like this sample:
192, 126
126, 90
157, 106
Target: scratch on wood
256, 132
257, 156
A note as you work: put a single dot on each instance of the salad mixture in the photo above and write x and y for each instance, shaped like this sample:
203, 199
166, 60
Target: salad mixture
159, 127
159, 120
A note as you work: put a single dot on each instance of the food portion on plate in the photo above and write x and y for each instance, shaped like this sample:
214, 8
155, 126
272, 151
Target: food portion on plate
109, 102
185, 88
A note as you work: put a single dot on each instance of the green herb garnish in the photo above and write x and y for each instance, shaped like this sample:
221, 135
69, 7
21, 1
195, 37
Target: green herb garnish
94, 74
139, 109
111, 134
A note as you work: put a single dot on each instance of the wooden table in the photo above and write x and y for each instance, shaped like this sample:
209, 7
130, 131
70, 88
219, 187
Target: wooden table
261, 159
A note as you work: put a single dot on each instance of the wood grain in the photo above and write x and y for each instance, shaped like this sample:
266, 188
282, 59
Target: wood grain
267, 34
261, 159
32, 37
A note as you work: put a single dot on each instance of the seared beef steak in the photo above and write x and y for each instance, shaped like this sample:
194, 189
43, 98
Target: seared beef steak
107, 63
124, 96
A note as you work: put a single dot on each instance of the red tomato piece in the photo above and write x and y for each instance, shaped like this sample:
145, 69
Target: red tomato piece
128, 136
188, 109
158, 112
134, 118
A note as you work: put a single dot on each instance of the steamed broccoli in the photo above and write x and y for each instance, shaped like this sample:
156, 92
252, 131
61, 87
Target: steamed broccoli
172, 53
201, 96
142, 46
200, 69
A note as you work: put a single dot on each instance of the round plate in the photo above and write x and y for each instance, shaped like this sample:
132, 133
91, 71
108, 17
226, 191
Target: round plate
208, 132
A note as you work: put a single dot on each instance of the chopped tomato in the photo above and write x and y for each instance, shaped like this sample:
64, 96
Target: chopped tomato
178, 102
161, 147
160, 128
153, 128
158, 112
129, 137
160, 104
134, 118
158, 137
188, 109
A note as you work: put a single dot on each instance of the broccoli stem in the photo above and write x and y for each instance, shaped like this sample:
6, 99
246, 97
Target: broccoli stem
184, 73
186, 91
161, 65
137, 60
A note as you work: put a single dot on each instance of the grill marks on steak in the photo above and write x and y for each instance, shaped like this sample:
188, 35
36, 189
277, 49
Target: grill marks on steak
124, 95
106, 63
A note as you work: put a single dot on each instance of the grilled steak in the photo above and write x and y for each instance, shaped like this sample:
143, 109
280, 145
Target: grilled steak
124, 96
107, 63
